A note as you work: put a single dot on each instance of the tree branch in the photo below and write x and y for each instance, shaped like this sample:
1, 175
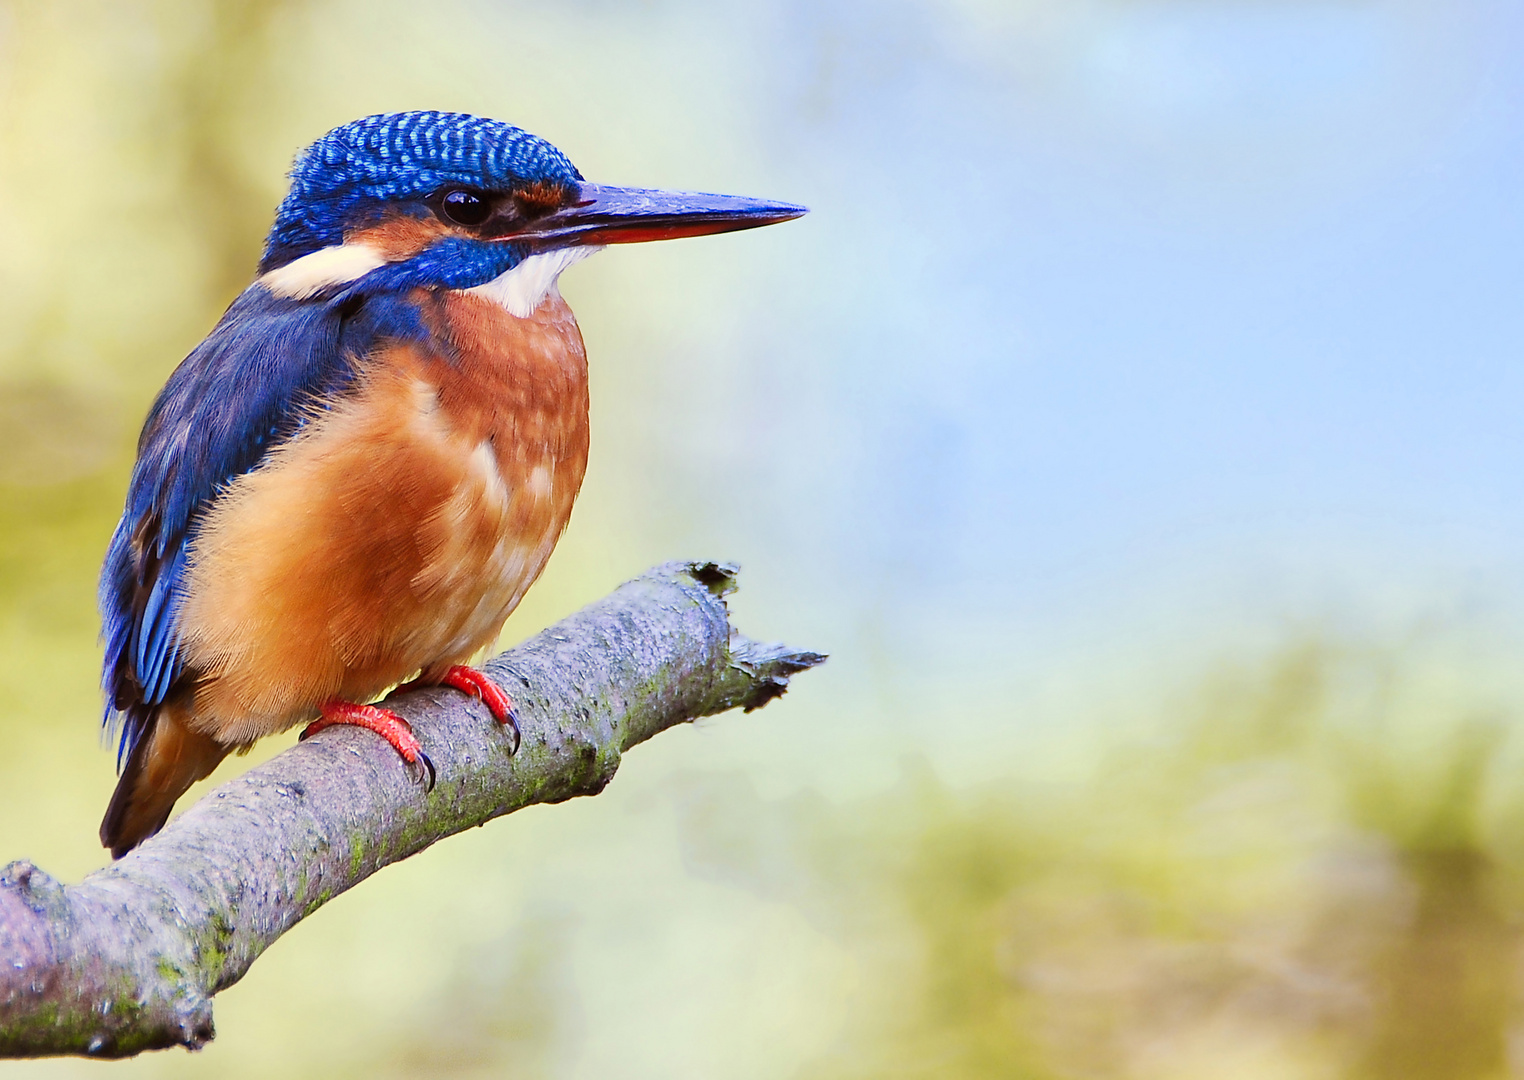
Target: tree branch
129, 959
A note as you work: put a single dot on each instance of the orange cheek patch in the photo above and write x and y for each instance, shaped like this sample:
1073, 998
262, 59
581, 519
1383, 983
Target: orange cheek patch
401, 236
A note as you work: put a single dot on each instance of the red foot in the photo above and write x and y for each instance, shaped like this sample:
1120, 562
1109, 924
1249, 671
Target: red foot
384, 723
470, 681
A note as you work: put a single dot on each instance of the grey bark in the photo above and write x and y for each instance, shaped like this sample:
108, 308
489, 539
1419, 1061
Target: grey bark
129, 959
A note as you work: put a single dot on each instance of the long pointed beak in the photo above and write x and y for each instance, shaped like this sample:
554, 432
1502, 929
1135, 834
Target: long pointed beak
615, 215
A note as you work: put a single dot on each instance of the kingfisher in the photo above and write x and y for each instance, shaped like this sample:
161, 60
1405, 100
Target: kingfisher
351, 483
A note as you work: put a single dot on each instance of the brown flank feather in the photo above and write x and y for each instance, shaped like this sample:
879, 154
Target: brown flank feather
393, 536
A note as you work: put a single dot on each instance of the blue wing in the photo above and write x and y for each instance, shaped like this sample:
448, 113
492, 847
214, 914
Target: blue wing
245, 389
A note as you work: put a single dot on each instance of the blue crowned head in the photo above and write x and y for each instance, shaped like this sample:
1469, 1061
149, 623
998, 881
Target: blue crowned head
357, 171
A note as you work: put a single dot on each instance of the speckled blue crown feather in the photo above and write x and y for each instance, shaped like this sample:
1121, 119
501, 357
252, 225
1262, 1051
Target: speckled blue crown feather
392, 157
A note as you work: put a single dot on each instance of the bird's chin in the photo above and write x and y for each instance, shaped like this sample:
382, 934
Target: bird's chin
521, 290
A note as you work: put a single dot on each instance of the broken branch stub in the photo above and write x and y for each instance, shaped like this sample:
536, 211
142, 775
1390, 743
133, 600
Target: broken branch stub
130, 958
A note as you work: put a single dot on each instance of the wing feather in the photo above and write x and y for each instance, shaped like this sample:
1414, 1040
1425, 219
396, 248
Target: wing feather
245, 389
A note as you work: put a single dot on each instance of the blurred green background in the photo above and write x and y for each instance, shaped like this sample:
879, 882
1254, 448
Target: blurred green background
1135, 420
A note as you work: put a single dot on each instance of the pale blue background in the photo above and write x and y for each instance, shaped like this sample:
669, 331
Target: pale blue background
1127, 340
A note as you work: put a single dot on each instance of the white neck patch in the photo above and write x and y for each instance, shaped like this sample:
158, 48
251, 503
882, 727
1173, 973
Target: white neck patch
524, 288
322, 269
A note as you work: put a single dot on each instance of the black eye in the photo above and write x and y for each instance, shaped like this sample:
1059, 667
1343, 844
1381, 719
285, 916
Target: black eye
464, 207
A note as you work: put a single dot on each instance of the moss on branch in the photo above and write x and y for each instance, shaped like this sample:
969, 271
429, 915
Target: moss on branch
130, 958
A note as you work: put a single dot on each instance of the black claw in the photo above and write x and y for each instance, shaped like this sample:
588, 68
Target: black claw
512, 724
425, 773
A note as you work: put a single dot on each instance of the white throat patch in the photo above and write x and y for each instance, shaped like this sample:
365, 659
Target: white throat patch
524, 288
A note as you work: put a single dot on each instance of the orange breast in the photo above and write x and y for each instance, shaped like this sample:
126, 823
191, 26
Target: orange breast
399, 530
